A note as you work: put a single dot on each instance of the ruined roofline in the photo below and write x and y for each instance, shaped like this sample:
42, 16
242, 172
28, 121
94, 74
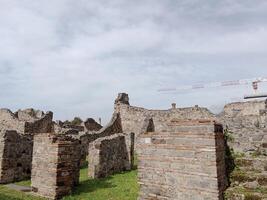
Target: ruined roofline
27, 121
244, 102
247, 108
171, 109
113, 127
119, 103
122, 100
35, 117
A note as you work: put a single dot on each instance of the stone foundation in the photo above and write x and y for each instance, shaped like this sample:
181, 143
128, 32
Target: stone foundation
111, 154
55, 166
185, 162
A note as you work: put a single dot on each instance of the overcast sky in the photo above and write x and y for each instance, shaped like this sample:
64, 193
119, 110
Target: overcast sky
74, 56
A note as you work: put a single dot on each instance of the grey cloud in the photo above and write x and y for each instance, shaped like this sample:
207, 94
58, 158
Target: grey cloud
74, 56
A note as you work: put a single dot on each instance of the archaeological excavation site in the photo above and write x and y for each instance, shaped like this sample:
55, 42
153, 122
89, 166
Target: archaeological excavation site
141, 154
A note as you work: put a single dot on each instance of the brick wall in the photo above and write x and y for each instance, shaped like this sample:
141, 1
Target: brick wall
186, 161
55, 166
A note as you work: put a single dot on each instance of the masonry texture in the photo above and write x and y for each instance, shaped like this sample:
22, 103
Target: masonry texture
247, 124
26, 121
186, 161
15, 156
16, 141
245, 127
55, 165
111, 154
113, 127
91, 125
133, 118
182, 152
246, 132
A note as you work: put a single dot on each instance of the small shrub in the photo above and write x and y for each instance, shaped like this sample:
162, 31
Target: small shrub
228, 135
76, 121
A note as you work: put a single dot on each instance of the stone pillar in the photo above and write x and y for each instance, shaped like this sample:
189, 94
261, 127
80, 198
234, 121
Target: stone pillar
55, 166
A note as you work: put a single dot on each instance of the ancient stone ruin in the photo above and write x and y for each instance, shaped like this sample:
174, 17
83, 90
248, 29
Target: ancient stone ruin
55, 165
112, 154
15, 156
134, 119
245, 135
183, 153
16, 141
185, 161
51, 153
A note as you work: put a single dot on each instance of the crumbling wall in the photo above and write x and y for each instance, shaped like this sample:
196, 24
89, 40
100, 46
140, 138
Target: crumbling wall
111, 154
55, 165
246, 124
113, 127
41, 125
29, 114
133, 118
16, 140
91, 125
26, 121
15, 156
9, 121
244, 108
186, 161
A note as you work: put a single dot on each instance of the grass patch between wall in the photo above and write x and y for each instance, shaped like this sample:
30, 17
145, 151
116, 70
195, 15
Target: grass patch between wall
122, 186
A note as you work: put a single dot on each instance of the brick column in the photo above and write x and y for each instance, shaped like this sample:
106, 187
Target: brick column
55, 166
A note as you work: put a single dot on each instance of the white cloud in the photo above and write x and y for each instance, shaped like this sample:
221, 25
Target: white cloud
73, 57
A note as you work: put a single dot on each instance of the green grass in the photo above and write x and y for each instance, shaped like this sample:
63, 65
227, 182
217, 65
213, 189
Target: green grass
121, 186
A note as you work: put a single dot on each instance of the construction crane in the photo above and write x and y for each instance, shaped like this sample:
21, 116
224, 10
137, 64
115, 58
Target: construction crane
254, 82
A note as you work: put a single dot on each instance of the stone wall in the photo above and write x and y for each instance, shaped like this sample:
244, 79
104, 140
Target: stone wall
185, 161
26, 121
111, 154
55, 165
91, 125
15, 156
41, 125
246, 124
113, 127
133, 118
16, 140
9, 121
